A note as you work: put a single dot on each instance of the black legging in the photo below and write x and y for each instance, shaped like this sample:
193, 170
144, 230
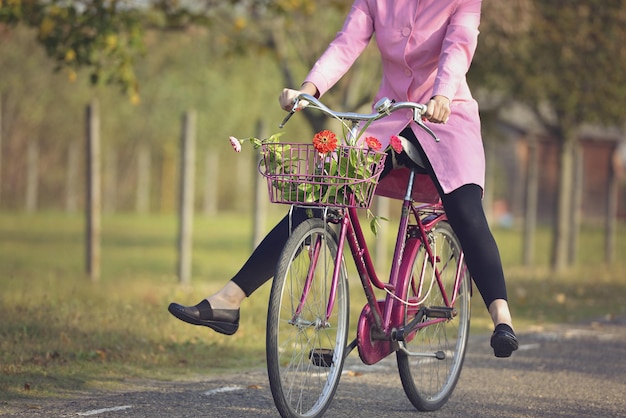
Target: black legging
466, 215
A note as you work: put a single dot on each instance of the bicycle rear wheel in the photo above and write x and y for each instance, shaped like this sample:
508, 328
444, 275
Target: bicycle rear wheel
431, 365
305, 349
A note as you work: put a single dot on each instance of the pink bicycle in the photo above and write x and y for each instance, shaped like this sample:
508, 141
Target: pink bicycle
422, 312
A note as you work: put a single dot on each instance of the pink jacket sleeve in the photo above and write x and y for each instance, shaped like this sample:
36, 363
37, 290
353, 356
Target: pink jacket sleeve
344, 49
458, 48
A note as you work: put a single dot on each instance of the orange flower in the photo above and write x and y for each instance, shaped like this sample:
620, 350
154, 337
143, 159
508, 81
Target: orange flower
325, 141
395, 144
373, 143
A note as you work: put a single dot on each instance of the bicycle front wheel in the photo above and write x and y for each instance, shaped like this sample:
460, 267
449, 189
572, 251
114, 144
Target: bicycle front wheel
431, 365
306, 341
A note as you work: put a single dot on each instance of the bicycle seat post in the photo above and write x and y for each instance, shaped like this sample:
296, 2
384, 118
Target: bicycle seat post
409, 186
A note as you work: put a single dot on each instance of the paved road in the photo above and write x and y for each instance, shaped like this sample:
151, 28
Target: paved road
575, 371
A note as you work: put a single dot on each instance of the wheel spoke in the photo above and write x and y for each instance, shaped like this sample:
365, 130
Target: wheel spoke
298, 330
431, 361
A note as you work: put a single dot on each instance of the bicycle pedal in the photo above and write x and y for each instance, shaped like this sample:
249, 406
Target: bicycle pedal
321, 357
440, 312
334, 216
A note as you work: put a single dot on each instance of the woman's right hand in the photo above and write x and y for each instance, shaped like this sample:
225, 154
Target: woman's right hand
287, 96
438, 109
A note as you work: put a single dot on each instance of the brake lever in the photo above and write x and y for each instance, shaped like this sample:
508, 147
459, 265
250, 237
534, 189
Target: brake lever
294, 109
289, 115
418, 119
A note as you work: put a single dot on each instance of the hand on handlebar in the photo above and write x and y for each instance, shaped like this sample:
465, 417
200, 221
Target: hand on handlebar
287, 98
438, 109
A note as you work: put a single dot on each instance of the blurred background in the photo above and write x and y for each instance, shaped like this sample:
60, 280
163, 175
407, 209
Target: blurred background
145, 76
549, 78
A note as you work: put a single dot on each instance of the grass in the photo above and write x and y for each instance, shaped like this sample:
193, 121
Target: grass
60, 333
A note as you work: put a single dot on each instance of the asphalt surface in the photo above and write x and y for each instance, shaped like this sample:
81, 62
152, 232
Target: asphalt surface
571, 371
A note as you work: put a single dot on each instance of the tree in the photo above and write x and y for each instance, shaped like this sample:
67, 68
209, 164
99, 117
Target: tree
564, 59
106, 36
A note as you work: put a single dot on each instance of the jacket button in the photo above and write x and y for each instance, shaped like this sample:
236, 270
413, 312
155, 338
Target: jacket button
406, 31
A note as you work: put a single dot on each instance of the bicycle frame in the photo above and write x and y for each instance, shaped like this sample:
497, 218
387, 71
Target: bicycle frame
380, 336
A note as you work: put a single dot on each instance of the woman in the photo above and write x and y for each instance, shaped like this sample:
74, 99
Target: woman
426, 48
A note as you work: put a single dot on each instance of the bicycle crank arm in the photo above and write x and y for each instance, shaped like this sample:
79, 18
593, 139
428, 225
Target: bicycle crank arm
443, 312
400, 333
439, 355
353, 344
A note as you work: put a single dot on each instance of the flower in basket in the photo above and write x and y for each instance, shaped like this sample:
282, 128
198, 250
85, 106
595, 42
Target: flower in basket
325, 141
350, 173
328, 171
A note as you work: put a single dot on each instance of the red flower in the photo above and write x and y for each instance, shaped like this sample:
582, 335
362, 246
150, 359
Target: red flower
373, 143
396, 144
325, 141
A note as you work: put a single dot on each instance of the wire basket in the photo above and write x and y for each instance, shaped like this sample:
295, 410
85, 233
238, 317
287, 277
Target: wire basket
299, 174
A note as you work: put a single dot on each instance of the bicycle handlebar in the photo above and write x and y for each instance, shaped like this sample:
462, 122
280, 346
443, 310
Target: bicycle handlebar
384, 107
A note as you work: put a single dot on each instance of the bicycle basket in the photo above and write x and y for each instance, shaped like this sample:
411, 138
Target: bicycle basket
298, 173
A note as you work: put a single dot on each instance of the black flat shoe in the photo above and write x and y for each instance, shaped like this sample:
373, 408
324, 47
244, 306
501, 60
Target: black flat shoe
224, 321
503, 341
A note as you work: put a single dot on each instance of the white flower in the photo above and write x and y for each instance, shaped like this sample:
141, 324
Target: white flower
235, 143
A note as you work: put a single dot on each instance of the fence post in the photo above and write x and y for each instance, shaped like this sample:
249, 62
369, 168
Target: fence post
186, 199
71, 178
32, 176
612, 202
577, 199
532, 190
1, 96
211, 174
259, 211
144, 163
93, 201
109, 201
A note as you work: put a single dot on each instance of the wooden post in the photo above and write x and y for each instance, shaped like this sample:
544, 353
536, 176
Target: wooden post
93, 201
186, 199
109, 204
71, 178
530, 212
211, 172
242, 197
168, 178
32, 176
612, 200
577, 198
144, 162
259, 211
1, 96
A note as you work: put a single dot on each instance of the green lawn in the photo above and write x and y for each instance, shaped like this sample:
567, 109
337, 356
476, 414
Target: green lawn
60, 333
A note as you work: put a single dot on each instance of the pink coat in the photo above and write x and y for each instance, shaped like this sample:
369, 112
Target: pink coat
426, 49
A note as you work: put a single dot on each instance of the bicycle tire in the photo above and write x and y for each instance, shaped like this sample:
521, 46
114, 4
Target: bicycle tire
427, 381
305, 353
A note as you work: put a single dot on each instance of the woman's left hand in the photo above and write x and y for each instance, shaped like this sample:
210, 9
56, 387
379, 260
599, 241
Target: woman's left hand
438, 109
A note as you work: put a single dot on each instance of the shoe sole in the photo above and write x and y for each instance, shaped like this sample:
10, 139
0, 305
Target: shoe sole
226, 328
503, 344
